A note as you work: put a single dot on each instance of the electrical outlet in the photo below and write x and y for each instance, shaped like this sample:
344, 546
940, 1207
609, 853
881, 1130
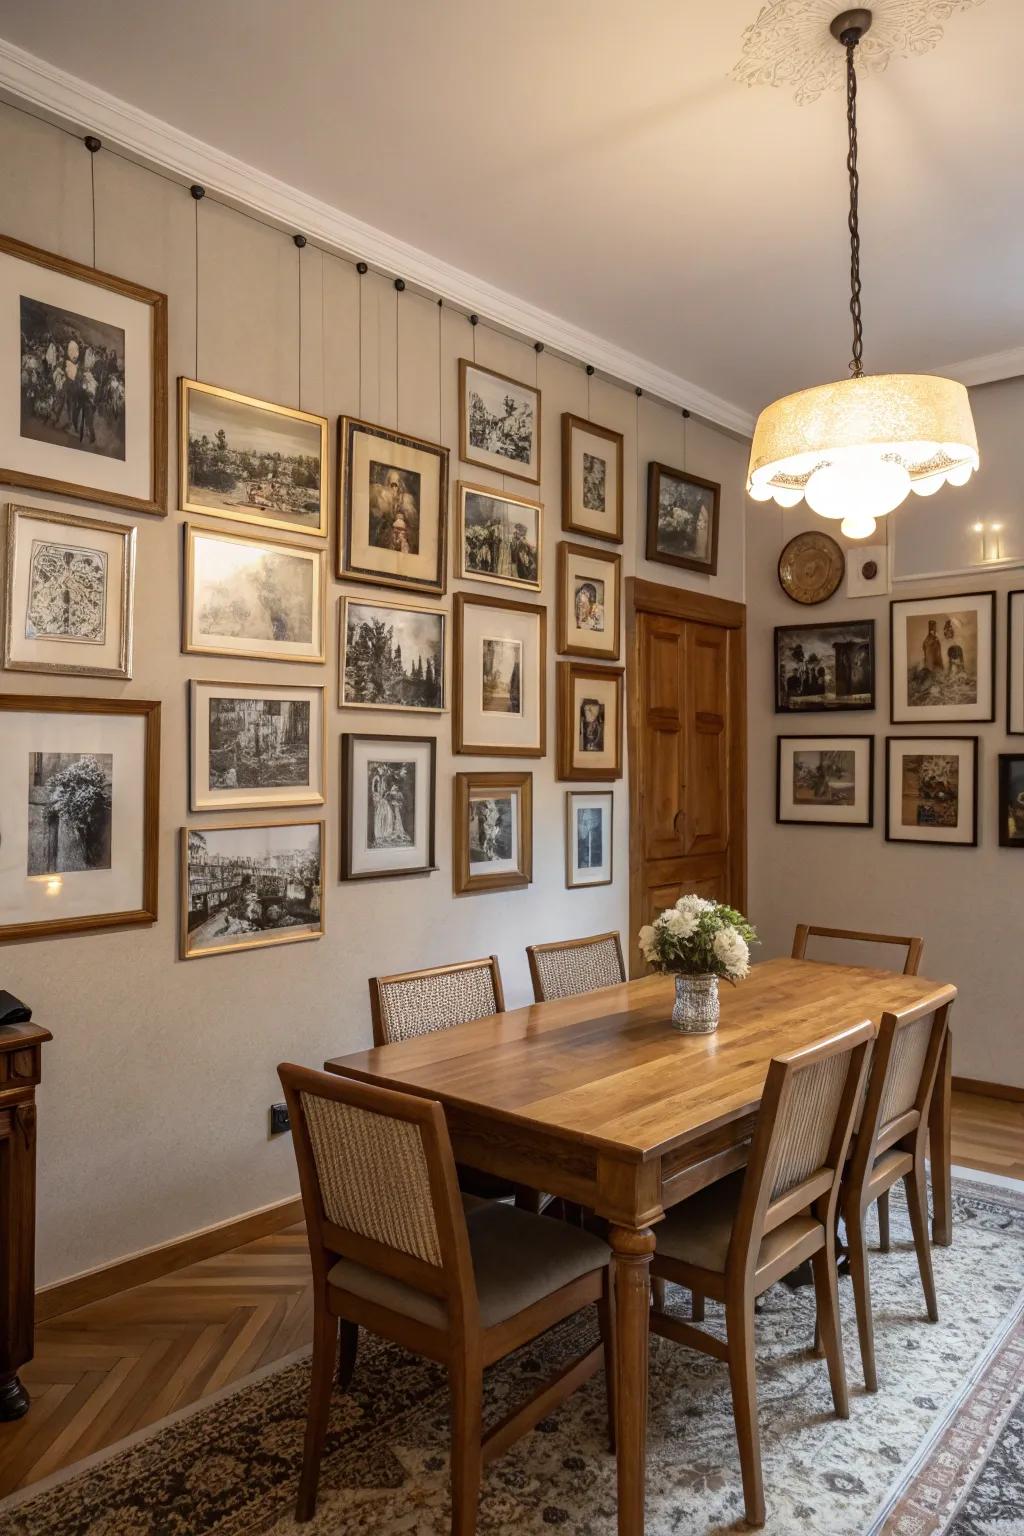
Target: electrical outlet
279, 1120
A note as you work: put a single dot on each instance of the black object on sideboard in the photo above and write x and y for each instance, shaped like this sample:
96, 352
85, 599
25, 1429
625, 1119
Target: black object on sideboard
20, 1066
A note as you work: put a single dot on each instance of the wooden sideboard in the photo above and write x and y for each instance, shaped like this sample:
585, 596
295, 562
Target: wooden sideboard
21, 1050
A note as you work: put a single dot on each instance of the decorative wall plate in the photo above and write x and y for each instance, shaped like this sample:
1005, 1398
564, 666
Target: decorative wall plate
811, 567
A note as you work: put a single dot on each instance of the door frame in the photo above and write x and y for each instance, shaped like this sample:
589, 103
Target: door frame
698, 607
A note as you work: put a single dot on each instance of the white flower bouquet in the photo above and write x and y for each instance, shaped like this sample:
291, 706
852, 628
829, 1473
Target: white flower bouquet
697, 937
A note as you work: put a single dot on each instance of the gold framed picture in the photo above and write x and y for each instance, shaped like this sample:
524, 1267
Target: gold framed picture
256, 598
256, 745
391, 655
589, 721
589, 604
500, 537
247, 885
591, 479
500, 686
393, 508
682, 519
499, 422
251, 461
492, 832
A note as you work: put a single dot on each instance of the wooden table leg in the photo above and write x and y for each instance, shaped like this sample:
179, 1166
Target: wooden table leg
940, 1148
632, 1250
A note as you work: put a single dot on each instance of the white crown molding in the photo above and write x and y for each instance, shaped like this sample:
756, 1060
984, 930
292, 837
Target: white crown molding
75, 102
987, 370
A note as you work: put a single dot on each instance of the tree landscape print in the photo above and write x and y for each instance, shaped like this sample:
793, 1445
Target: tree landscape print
393, 657
253, 461
259, 743
825, 667
251, 591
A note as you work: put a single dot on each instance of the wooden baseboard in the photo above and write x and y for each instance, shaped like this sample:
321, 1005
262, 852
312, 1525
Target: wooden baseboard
990, 1090
151, 1263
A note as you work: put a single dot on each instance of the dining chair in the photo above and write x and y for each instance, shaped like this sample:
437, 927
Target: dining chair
571, 966
738, 1236
892, 1143
418, 1002
913, 946
396, 1249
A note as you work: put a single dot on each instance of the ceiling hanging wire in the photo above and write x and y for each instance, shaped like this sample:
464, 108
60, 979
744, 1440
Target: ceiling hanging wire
399, 290
93, 145
361, 269
590, 375
440, 371
198, 193
300, 241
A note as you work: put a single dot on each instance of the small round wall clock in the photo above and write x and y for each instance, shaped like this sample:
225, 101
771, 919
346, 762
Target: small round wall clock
811, 567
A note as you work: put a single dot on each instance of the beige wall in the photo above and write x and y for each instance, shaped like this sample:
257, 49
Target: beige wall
966, 901
153, 1110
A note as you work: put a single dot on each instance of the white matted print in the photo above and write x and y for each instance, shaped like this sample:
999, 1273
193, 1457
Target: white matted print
387, 806
588, 601
499, 422
393, 516
256, 745
589, 721
591, 479
943, 658
825, 780
588, 838
252, 597
1015, 664
500, 677
931, 789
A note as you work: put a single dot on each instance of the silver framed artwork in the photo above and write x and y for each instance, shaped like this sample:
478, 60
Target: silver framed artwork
68, 594
942, 658
257, 598
500, 537
499, 422
589, 831
249, 885
825, 780
392, 655
388, 806
254, 746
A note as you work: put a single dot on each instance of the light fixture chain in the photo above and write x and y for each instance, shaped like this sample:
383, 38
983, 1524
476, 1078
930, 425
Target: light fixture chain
856, 363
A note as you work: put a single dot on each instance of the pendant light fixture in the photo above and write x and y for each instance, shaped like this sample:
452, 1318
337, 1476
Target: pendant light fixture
856, 448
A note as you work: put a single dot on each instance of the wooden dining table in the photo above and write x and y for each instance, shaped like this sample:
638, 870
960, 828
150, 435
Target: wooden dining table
597, 1098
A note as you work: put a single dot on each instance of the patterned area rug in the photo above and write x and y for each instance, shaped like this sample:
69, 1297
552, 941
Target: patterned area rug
940, 1449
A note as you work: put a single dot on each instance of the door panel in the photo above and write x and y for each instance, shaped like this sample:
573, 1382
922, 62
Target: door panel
664, 651
706, 783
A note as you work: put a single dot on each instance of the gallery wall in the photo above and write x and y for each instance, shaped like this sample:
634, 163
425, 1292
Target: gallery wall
153, 1108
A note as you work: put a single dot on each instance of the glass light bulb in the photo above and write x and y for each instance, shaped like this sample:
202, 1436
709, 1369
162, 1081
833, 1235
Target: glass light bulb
858, 527
786, 496
927, 485
960, 475
857, 485
760, 493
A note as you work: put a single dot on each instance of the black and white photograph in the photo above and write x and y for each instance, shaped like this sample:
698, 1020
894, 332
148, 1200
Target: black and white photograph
932, 789
942, 658
250, 597
588, 838
392, 655
387, 806
391, 804
256, 745
824, 667
492, 832
588, 601
682, 519
250, 460
499, 420
591, 717
595, 482
1011, 800
72, 380
67, 593
499, 685
499, 537
244, 887
69, 811
501, 674
393, 508
591, 479
825, 780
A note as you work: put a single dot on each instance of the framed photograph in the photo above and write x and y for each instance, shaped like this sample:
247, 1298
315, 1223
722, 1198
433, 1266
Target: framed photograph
1015, 664
392, 508
499, 422
825, 780
256, 745
246, 459
492, 832
591, 479
83, 397
249, 885
820, 668
589, 602
1011, 800
255, 598
931, 789
942, 658
589, 721
387, 797
500, 687
392, 655
500, 537
588, 838
79, 814
68, 594
682, 519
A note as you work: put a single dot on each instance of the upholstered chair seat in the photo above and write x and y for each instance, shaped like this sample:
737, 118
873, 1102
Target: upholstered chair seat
697, 1232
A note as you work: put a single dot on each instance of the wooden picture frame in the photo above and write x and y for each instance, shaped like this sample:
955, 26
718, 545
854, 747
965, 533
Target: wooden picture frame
598, 514
965, 749
469, 498
834, 808
267, 938
230, 404
351, 846
350, 604
1015, 663
473, 452
415, 497
198, 642
49, 406
67, 854
512, 842
519, 726
659, 535
947, 658
1011, 793
574, 880
573, 561
583, 717
204, 796
852, 684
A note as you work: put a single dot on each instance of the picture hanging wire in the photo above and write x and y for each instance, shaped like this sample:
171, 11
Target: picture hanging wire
93, 145
474, 321
361, 269
198, 193
399, 290
590, 375
440, 372
298, 258
686, 417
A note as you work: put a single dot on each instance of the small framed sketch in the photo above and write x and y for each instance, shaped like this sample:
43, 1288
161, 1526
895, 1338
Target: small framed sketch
83, 398
500, 687
79, 814
588, 601
588, 838
248, 885
931, 789
942, 656
246, 459
387, 798
256, 745
589, 721
393, 508
1015, 664
591, 479
682, 519
1011, 800
825, 780
492, 832
499, 422
68, 594
250, 597
392, 655
500, 537
821, 668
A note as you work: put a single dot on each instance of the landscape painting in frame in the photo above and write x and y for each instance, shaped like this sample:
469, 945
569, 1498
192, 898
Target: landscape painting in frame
251, 461
943, 658
1011, 800
82, 390
392, 655
79, 784
588, 601
256, 745
68, 594
499, 537
825, 780
824, 667
252, 597
492, 832
388, 791
500, 682
499, 422
393, 490
591, 479
682, 519
245, 887
932, 789
588, 838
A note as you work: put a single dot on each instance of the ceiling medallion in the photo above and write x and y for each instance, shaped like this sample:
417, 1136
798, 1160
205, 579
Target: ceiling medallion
789, 46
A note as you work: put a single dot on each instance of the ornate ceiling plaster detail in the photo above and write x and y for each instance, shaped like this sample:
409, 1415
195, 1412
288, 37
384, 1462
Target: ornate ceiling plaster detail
789, 45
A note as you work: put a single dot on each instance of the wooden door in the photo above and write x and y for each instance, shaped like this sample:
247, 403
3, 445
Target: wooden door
687, 704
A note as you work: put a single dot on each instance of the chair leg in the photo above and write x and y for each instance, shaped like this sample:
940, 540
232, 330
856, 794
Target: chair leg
859, 1273
325, 1344
606, 1322
917, 1200
658, 1292
466, 1380
347, 1353
883, 1222
739, 1327
696, 1306
826, 1294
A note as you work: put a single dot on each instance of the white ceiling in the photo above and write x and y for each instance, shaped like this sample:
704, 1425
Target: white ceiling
596, 159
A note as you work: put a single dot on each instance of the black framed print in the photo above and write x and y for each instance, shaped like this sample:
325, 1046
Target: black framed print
388, 806
942, 658
825, 780
1015, 663
1011, 800
588, 837
931, 790
821, 668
